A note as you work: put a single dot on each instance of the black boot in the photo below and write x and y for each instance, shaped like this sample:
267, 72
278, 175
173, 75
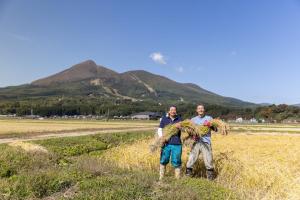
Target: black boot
210, 174
189, 172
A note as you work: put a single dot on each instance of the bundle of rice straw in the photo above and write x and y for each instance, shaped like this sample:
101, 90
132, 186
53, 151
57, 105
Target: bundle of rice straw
188, 131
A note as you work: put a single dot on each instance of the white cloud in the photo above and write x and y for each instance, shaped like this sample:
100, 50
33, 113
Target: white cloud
179, 69
158, 58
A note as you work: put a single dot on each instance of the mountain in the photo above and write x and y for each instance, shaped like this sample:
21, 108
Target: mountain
88, 78
297, 105
81, 71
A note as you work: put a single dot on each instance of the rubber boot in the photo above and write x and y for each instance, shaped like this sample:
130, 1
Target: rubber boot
177, 173
162, 170
210, 174
189, 172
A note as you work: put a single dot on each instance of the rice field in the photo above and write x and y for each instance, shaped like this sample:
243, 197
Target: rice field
254, 166
266, 128
21, 127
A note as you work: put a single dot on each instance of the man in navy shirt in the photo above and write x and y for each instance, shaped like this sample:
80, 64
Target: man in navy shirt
172, 147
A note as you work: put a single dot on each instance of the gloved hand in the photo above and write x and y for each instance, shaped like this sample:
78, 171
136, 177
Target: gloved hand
207, 123
196, 138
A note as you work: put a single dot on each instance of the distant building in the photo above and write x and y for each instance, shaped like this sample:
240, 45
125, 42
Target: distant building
146, 115
6, 116
289, 121
239, 120
246, 121
31, 116
262, 120
253, 120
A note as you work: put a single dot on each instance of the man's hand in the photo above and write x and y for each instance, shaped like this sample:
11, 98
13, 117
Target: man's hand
207, 123
178, 125
196, 138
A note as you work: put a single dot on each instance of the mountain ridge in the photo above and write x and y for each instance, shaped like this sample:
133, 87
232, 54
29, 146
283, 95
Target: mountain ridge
88, 78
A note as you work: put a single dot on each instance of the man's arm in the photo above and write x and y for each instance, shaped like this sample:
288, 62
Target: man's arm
160, 128
159, 132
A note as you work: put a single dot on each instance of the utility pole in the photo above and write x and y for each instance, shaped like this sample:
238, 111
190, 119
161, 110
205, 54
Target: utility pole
107, 117
61, 105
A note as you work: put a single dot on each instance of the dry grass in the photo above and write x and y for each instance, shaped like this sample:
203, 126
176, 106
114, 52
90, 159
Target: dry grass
29, 147
259, 167
256, 167
284, 128
19, 127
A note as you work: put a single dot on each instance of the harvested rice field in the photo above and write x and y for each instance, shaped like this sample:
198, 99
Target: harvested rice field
251, 163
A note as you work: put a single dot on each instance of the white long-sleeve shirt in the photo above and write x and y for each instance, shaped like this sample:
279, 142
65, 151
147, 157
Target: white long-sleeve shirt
159, 132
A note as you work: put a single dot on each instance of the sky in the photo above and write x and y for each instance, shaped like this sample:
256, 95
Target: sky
244, 49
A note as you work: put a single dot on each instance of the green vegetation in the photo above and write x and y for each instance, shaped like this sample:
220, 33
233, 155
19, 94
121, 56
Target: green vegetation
76, 106
73, 168
278, 113
73, 146
109, 107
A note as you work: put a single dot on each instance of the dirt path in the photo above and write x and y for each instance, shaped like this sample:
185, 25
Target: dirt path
266, 133
69, 134
93, 132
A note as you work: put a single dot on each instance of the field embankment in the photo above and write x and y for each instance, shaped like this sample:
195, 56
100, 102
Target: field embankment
74, 168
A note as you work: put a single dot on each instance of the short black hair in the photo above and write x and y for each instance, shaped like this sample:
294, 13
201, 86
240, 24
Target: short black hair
173, 106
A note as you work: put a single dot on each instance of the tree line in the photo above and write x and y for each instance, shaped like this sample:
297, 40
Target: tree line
61, 106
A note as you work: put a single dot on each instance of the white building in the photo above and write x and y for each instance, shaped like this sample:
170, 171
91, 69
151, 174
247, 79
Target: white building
253, 120
145, 115
239, 120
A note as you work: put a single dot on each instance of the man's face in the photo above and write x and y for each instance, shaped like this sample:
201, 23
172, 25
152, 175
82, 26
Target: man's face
173, 111
200, 110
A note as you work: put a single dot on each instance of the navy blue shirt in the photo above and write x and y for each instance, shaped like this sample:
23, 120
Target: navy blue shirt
166, 120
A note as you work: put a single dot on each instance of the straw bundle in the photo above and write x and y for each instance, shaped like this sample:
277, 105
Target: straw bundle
189, 130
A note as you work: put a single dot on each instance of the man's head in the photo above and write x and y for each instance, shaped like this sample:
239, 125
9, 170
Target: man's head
172, 111
200, 110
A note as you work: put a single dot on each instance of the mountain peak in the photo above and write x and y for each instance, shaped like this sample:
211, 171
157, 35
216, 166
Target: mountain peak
84, 67
81, 71
87, 63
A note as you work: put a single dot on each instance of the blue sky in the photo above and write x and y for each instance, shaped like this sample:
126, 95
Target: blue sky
243, 49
